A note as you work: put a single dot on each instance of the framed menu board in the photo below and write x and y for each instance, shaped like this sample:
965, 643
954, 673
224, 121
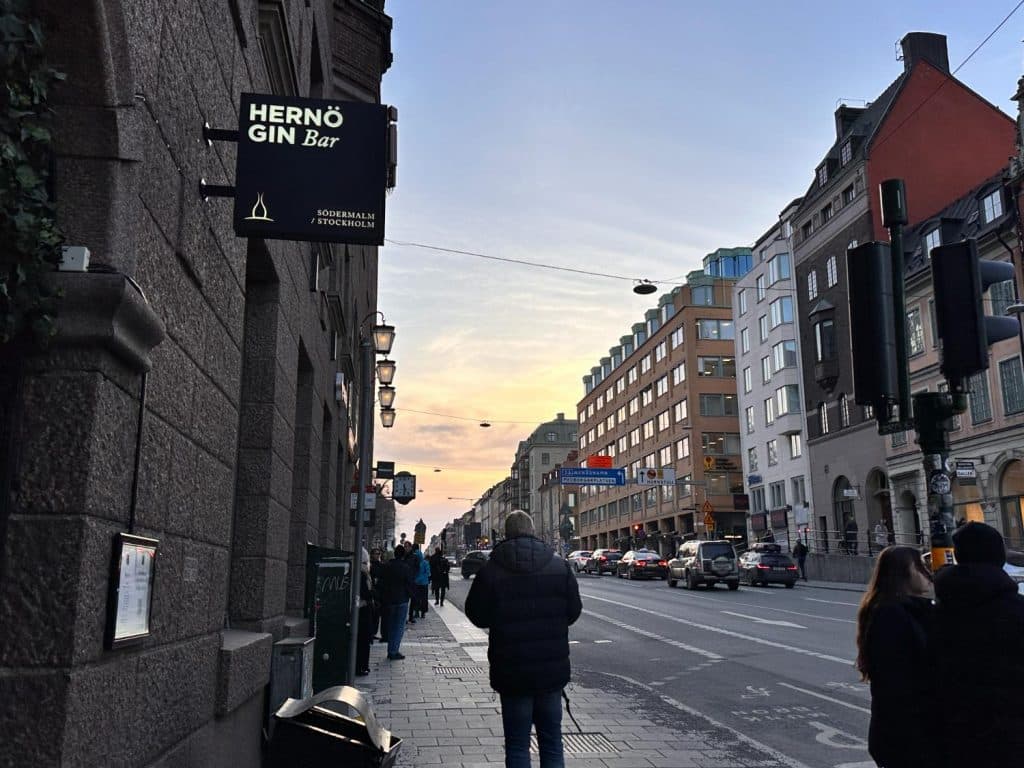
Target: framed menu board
130, 601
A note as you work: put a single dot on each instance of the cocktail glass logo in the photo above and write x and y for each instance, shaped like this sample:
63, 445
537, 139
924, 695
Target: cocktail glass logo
259, 211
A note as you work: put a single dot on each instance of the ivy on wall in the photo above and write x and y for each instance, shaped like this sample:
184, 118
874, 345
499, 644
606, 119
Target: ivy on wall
30, 241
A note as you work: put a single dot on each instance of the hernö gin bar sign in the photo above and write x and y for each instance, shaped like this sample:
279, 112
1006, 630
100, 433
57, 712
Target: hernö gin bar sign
310, 169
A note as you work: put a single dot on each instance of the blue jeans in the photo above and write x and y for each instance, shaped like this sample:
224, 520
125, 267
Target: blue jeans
543, 710
395, 615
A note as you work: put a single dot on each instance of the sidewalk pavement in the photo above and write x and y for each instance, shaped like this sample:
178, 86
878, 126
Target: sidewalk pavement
845, 586
451, 717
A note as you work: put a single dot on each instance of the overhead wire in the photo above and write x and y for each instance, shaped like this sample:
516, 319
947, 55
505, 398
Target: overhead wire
468, 418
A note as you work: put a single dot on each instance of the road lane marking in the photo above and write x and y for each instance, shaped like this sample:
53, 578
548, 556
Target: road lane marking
773, 622
728, 632
749, 740
833, 737
601, 642
831, 602
840, 702
655, 636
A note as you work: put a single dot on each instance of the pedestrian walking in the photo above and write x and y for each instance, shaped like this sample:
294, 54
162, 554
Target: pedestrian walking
439, 568
365, 630
800, 553
894, 624
979, 650
881, 535
851, 536
396, 592
413, 564
527, 597
422, 582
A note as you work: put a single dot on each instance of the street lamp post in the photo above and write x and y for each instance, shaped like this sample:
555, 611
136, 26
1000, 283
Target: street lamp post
383, 336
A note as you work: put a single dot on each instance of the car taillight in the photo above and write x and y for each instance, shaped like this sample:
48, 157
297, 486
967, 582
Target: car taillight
763, 567
640, 563
791, 568
604, 559
662, 562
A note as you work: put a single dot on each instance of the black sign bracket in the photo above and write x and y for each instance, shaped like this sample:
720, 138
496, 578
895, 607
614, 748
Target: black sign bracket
218, 134
206, 191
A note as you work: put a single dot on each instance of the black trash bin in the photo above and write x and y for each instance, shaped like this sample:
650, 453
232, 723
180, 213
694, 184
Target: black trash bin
316, 733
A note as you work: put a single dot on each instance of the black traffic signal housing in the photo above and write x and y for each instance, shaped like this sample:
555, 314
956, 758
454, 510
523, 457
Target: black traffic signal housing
873, 327
960, 280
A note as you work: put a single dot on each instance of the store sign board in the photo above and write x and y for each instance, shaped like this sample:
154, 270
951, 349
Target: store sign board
311, 169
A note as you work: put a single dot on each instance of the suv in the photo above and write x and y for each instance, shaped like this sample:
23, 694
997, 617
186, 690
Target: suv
602, 561
704, 562
578, 559
767, 564
473, 562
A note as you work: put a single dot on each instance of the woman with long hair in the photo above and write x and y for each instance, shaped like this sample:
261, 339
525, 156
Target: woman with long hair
893, 625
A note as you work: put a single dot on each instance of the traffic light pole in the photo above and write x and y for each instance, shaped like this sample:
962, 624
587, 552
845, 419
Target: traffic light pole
932, 414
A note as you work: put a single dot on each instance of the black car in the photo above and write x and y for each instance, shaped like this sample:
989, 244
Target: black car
602, 561
766, 564
642, 564
474, 561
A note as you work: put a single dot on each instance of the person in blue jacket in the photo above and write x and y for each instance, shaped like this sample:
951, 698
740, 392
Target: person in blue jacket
421, 569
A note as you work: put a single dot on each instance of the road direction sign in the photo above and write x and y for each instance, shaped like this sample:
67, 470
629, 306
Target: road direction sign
575, 476
666, 476
708, 508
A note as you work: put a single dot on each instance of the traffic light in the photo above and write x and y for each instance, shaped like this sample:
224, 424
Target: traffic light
960, 280
873, 327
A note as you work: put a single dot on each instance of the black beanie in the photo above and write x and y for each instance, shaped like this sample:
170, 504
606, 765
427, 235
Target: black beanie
979, 543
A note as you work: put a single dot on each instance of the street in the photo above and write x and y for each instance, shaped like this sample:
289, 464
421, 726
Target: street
774, 665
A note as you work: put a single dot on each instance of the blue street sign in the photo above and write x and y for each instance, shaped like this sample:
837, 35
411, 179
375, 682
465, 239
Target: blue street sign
573, 476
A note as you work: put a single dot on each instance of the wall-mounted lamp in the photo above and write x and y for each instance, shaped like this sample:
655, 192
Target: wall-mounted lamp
387, 417
386, 396
386, 371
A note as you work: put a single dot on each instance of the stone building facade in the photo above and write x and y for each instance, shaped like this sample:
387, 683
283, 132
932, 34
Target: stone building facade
549, 444
246, 437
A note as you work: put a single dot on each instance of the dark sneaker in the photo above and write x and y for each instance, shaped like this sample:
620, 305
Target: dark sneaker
396, 657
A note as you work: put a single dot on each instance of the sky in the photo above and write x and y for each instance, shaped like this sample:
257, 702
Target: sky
629, 139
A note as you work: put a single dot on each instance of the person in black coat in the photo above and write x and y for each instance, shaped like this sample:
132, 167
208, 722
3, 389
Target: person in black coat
365, 629
396, 591
979, 649
527, 597
894, 624
439, 568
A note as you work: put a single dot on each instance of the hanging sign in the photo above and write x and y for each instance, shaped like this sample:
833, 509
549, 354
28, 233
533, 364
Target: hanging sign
311, 169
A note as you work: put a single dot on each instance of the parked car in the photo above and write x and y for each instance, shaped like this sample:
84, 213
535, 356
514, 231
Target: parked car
766, 564
1014, 566
452, 560
642, 564
474, 561
578, 559
704, 562
602, 561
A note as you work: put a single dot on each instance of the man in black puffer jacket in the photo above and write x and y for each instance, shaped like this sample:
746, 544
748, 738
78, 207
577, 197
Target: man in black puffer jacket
527, 598
979, 650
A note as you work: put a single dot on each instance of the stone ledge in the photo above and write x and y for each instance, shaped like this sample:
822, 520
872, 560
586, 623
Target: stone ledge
244, 667
296, 627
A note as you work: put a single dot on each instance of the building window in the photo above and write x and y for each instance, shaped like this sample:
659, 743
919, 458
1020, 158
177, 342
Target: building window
868, 413
677, 337
715, 329
848, 195
778, 268
665, 456
645, 364
981, 402
822, 174
661, 386
769, 411
762, 323
915, 332
784, 355
646, 396
766, 370
760, 287
702, 295
745, 340
1002, 297
634, 405
796, 447
806, 229
824, 341
1011, 379
831, 271
826, 213
750, 419
720, 443
823, 417
682, 448
660, 351
992, 206
812, 285
844, 412
743, 301
777, 494
649, 429
787, 399
721, 367
773, 452
551, 437
623, 443
752, 459
799, 490
931, 240
545, 458
664, 420
845, 155
781, 311
634, 437
718, 405
757, 500
680, 412
748, 382
898, 439
679, 374
631, 375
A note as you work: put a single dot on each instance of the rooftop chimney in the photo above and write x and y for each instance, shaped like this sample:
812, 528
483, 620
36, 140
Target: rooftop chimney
845, 117
561, 417
928, 46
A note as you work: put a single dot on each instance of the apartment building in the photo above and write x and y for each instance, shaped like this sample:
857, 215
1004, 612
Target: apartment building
557, 506
549, 444
775, 465
665, 398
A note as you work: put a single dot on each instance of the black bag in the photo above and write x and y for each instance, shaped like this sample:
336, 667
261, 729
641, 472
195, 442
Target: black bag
312, 733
